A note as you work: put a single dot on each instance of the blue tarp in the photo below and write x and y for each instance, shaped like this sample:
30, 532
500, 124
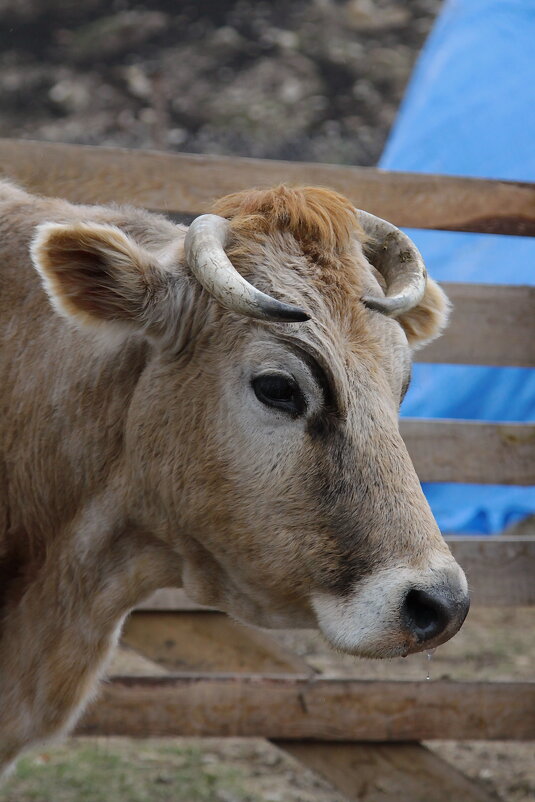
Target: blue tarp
470, 110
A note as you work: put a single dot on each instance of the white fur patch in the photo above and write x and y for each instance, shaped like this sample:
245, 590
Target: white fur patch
37, 251
368, 621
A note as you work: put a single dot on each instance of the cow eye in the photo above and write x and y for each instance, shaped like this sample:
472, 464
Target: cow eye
279, 391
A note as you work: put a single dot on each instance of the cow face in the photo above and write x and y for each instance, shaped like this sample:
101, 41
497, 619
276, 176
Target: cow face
268, 454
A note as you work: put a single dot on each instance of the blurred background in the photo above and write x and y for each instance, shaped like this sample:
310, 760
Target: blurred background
312, 80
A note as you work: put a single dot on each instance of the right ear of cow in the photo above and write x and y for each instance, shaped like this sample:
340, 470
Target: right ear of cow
95, 273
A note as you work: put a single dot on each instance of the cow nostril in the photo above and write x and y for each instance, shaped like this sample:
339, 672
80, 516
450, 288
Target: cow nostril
426, 614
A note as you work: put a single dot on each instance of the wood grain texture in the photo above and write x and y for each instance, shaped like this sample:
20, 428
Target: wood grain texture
405, 772
189, 183
308, 708
471, 451
207, 641
500, 569
378, 773
490, 325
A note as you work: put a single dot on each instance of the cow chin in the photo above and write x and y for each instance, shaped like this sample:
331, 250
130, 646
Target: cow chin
242, 602
397, 611
248, 609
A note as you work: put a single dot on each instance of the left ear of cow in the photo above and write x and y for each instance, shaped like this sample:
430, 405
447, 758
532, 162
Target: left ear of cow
426, 321
95, 273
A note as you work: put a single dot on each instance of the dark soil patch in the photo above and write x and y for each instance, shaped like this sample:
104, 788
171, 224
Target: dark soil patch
318, 81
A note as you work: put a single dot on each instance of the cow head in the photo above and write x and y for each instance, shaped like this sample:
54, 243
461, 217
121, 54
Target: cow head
262, 439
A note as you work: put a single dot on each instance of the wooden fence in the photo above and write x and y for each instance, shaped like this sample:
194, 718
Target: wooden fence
265, 690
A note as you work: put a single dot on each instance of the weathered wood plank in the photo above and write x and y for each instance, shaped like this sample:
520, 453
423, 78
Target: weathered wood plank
490, 325
130, 662
500, 570
381, 773
309, 708
370, 773
471, 451
404, 772
207, 641
189, 183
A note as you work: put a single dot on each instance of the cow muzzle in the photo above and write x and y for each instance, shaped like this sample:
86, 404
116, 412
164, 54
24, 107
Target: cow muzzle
396, 611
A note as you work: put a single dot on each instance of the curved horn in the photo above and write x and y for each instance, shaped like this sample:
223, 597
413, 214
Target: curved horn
204, 247
398, 259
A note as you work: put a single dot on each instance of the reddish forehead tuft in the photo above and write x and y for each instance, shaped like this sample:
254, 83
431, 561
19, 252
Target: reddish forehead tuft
319, 219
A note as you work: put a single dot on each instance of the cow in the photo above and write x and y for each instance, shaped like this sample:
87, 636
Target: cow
213, 407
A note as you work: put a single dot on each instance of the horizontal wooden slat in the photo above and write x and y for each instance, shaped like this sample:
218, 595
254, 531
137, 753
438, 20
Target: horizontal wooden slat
470, 451
490, 325
317, 709
500, 570
189, 183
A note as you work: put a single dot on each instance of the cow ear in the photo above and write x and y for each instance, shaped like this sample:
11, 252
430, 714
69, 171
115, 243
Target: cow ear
426, 321
96, 274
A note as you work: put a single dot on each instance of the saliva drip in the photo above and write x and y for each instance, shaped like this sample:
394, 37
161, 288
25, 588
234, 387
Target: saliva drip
430, 653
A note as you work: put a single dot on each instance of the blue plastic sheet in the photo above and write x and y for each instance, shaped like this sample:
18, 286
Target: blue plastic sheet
470, 110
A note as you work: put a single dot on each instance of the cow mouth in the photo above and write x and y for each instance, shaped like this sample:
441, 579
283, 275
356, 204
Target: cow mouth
386, 646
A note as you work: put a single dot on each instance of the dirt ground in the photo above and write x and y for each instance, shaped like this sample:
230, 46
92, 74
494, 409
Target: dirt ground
314, 80
317, 80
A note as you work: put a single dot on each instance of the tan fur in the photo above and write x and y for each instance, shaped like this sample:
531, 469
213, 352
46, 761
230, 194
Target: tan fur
425, 322
318, 218
65, 255
134, 454
324, 224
